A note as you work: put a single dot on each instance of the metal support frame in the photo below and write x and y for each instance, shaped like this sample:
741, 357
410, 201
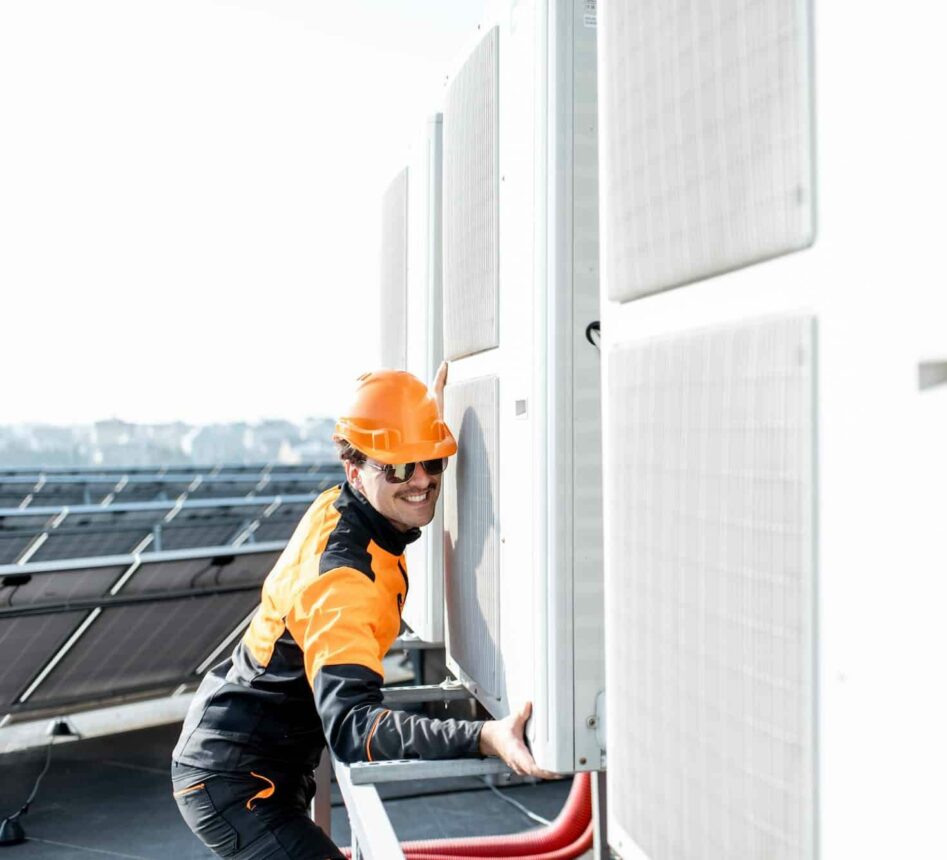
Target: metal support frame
447, 691
600, 816
372, 835
377, 772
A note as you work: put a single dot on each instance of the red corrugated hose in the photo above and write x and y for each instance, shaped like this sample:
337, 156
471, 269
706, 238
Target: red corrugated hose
565, 838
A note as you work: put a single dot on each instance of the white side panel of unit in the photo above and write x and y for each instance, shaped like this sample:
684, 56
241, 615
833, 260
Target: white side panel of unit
424, 610
587, 555
706, 138
471, 185
550, 614
394, 272
710, 593
472, 562
874, 281
571, 656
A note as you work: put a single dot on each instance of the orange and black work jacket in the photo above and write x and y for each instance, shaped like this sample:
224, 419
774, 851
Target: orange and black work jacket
308, 669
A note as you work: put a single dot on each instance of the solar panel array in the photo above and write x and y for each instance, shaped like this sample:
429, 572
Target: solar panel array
195, 469
117, 583
89, 531
103, 487
89, 631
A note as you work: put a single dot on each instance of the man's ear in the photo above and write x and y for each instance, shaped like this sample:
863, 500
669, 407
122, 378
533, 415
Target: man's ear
352, 474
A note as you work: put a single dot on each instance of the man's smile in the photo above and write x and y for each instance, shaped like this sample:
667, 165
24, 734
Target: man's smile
418, 498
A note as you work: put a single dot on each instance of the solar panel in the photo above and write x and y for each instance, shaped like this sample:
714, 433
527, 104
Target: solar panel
146, 491
197, 533
87, 534
178, 468
281, 524
17, 532
242, 513
115, 517
94, 486
229, 569
291, 510
223, 489
64, 497
25, 519
250, 468
314, 484
12, 497
152, 634
34, 641
89, 543
141, 646
13, 544
215, 525
28, 586
146, 647
92, 531
51, 494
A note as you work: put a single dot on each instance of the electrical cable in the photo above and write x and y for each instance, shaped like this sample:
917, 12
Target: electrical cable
12, 592
532, 816
13, 582
32, 796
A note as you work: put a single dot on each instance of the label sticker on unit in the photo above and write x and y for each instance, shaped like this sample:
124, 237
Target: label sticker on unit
590, 18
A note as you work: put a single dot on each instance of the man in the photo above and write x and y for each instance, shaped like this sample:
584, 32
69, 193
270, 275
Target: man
308, 673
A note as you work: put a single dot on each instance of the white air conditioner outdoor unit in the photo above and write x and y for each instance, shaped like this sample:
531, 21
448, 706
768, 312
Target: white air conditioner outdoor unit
523, 497
393, 300
424, 608
411, 339
771, 562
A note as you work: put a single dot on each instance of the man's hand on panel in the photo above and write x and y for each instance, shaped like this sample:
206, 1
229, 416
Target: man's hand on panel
504, 739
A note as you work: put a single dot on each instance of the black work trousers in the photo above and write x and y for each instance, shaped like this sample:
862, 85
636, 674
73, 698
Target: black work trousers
251, 816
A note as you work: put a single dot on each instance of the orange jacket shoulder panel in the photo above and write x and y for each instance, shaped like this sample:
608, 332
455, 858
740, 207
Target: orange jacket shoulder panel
336, 620
297, 565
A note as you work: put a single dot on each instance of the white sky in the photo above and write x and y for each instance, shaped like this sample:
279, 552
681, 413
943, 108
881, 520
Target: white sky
190, 198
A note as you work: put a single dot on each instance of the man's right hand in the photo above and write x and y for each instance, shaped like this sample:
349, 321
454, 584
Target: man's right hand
504, 739
440, 380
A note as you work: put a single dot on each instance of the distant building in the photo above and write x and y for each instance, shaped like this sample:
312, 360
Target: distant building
120, 443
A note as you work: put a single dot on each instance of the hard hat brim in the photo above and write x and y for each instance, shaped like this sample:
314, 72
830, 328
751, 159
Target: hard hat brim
386, 446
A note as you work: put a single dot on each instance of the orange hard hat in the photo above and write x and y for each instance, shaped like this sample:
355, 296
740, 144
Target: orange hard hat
393, 418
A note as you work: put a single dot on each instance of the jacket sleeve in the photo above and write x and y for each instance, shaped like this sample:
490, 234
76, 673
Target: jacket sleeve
334, 621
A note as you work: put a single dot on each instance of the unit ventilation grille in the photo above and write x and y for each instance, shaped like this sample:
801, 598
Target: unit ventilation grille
706, 138
470, 515
394, 273
709, 592
470, 203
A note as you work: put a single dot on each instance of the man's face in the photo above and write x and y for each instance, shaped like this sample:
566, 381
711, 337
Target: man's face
408, 505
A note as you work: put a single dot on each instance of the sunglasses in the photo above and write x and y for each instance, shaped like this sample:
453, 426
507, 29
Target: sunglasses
400, 472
